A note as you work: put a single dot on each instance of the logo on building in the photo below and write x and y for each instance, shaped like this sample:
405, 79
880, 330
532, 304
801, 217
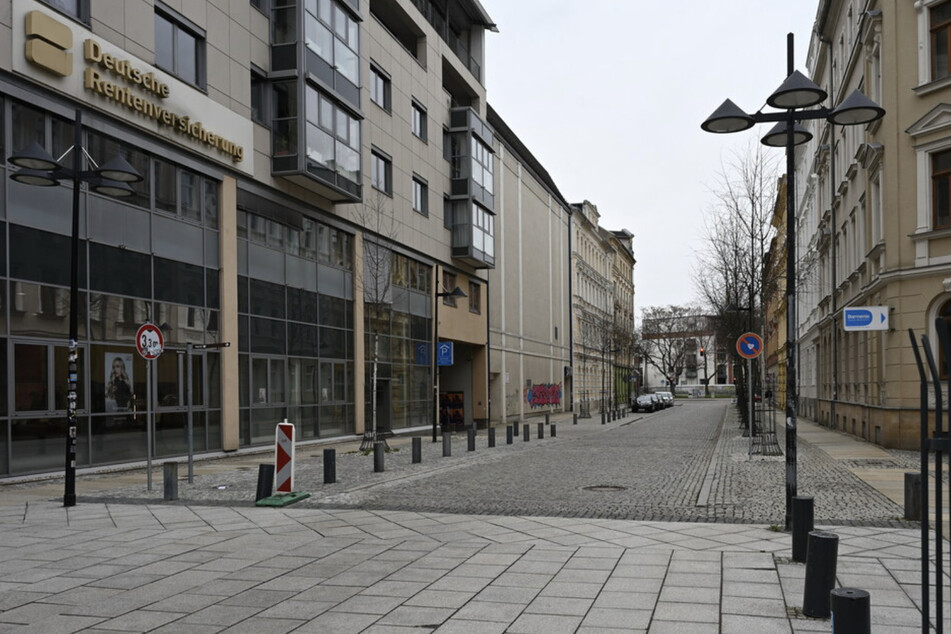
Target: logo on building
48, 43
118, 78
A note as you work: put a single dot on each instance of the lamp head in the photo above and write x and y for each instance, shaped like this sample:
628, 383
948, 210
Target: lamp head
109, 187
35, 177
119, 169
727, 118
777, 136
34, 157
856, 109
798, 91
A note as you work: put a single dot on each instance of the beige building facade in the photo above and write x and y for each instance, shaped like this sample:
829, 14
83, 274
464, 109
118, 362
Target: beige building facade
874, 203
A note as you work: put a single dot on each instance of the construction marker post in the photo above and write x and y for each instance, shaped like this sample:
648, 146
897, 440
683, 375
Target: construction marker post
284, 457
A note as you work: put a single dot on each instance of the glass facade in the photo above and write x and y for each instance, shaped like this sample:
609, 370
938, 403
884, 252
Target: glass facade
295, 320
152, 257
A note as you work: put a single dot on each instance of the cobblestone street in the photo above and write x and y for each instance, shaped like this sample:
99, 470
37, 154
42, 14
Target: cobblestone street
688, 463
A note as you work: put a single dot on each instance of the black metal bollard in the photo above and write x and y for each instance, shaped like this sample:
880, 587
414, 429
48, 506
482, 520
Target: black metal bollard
574, 419
330, 466
170, 480
541, 430
553, 430
470, 440
851, 611
491, 437
446, 445
526, 436
802, 525
820, 573
604, 417
417, 449
378, 457
265, 481
912, 496
508, 434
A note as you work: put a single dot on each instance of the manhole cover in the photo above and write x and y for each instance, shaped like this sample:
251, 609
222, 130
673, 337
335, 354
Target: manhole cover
605, 488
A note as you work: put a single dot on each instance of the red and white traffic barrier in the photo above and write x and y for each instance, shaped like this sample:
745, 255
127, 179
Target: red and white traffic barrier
284, 457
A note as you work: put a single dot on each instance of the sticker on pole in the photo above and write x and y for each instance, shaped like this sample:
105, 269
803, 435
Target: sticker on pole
149, 341
284, 457
749, 345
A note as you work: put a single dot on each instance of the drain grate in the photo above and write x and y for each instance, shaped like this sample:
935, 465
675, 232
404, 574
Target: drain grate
605, 488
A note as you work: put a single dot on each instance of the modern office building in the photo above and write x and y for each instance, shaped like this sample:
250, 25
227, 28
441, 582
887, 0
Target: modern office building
318, 175
874, 202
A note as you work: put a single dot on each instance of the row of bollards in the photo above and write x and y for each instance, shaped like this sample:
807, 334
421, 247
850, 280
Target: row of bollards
850, 608
266, 471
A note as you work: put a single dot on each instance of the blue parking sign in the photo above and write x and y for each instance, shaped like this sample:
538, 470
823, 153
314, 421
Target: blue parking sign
444, 353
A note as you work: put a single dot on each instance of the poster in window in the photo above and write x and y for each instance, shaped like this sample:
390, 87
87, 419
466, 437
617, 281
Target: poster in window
451, 409
118, 369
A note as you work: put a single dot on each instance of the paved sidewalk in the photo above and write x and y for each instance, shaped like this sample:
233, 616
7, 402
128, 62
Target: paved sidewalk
110, 565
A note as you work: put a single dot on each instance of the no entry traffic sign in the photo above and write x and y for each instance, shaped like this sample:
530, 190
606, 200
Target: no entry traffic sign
149, 341
749, 345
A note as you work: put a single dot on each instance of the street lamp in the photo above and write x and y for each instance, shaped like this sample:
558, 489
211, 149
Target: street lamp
796, 92
454, 293
38, 168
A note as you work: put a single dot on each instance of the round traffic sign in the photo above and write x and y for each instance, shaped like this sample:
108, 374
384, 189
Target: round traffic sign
749, 345
149, 341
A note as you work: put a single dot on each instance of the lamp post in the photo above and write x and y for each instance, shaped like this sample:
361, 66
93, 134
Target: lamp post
38, 168
454, 293
795, 99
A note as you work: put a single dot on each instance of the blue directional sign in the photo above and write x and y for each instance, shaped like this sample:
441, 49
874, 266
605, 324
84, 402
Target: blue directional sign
422, 354
444, 353
749, 345
865, 318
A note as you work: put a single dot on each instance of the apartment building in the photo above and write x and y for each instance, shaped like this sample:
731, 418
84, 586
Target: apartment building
874, 203
318, 176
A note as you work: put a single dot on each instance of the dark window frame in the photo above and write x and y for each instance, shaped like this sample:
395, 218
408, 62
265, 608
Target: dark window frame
940, 178
82, 10
260, 97
419, 123
380, 82
420, 206
940, 29
181, 24
475, 299
378, 160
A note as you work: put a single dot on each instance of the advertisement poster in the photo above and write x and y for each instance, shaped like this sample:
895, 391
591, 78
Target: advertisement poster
118, 368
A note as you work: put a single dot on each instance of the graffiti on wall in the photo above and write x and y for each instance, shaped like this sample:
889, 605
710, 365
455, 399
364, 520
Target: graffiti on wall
543, 395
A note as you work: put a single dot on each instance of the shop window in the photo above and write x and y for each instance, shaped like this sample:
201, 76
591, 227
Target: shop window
179, 46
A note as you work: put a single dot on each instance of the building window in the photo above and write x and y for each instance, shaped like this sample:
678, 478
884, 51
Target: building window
179, 46
334, 35
483, 230
941, 190
482, 164
381, 172
77, 9
420, 196
940, 40
475, 298
449, 285
419, 121
333, 136
379, 88
259, 97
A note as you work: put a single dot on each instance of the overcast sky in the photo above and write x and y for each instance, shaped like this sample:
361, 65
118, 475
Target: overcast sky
609, 96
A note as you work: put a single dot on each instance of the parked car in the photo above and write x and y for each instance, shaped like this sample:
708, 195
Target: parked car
645, 403
658, 401
668, 398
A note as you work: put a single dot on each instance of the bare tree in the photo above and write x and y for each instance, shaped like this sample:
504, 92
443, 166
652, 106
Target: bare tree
375, 279
666, 334
730, 271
